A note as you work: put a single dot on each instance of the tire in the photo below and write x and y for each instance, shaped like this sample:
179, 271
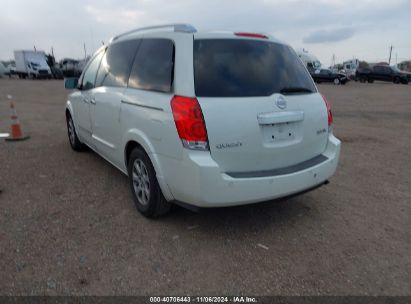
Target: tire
370, 80
147, 195
363, 79
75, 143
336, 81
396, 80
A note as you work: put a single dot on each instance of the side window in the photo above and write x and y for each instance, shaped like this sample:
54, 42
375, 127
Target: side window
89, 76
378, 69
116, 64
153, 67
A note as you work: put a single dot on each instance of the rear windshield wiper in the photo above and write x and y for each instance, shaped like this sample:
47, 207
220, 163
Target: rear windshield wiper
295, 90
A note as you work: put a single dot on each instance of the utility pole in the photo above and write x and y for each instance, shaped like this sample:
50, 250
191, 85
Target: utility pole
389, 60
85, 54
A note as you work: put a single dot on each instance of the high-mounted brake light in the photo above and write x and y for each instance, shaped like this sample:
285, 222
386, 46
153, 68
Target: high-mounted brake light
251, 35
329, 113
189, 121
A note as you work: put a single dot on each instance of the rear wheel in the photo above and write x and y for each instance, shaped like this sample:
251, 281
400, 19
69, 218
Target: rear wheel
336, 81
363, 79
370, 80
396, 80
147, 195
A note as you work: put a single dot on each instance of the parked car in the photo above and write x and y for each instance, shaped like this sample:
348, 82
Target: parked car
203, 119
382, 73
57, 72
326, 75
69, 67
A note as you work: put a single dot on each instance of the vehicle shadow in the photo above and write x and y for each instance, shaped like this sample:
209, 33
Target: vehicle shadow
252, 218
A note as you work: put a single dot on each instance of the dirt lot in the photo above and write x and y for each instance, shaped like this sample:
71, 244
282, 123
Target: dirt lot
68, 224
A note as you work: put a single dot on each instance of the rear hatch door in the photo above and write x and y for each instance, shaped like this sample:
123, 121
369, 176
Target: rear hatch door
261, 108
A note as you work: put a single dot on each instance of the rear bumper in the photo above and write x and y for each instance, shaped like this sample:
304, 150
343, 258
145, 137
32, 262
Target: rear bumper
197, 180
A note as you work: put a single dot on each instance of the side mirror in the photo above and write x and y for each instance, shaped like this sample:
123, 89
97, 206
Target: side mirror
70, 83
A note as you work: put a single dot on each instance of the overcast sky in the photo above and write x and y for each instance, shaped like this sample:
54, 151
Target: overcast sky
347, 28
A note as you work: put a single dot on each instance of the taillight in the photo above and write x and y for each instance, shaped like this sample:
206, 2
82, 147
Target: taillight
189, 121
251, 35
329, 113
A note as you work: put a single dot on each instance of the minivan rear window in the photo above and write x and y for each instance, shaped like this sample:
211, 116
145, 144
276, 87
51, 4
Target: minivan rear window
245, 67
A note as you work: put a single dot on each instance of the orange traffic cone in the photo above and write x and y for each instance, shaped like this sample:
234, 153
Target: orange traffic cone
16, 131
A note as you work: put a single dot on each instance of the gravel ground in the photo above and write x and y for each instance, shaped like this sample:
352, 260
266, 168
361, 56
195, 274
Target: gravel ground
68, 225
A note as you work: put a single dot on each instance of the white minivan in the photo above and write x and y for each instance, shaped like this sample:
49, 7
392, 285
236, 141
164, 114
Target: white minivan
203, 119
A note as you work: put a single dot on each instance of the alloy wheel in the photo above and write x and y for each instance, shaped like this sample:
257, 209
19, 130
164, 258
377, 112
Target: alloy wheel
72, 135
141, 182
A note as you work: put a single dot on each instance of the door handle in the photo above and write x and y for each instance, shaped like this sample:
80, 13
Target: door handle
93, 101
86, 100
279, 117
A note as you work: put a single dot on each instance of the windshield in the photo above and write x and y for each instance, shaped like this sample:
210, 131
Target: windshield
243, 67
395, 68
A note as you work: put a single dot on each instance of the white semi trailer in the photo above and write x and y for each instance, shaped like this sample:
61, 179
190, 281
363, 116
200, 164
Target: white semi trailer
350, 67
32, 64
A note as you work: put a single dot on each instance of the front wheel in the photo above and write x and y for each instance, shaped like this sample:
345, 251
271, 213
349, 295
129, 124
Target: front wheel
75, 143
147, 195
336, 81
396, 80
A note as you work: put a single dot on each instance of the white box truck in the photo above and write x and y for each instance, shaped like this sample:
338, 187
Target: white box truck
310, 61
32, 64
3, 70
